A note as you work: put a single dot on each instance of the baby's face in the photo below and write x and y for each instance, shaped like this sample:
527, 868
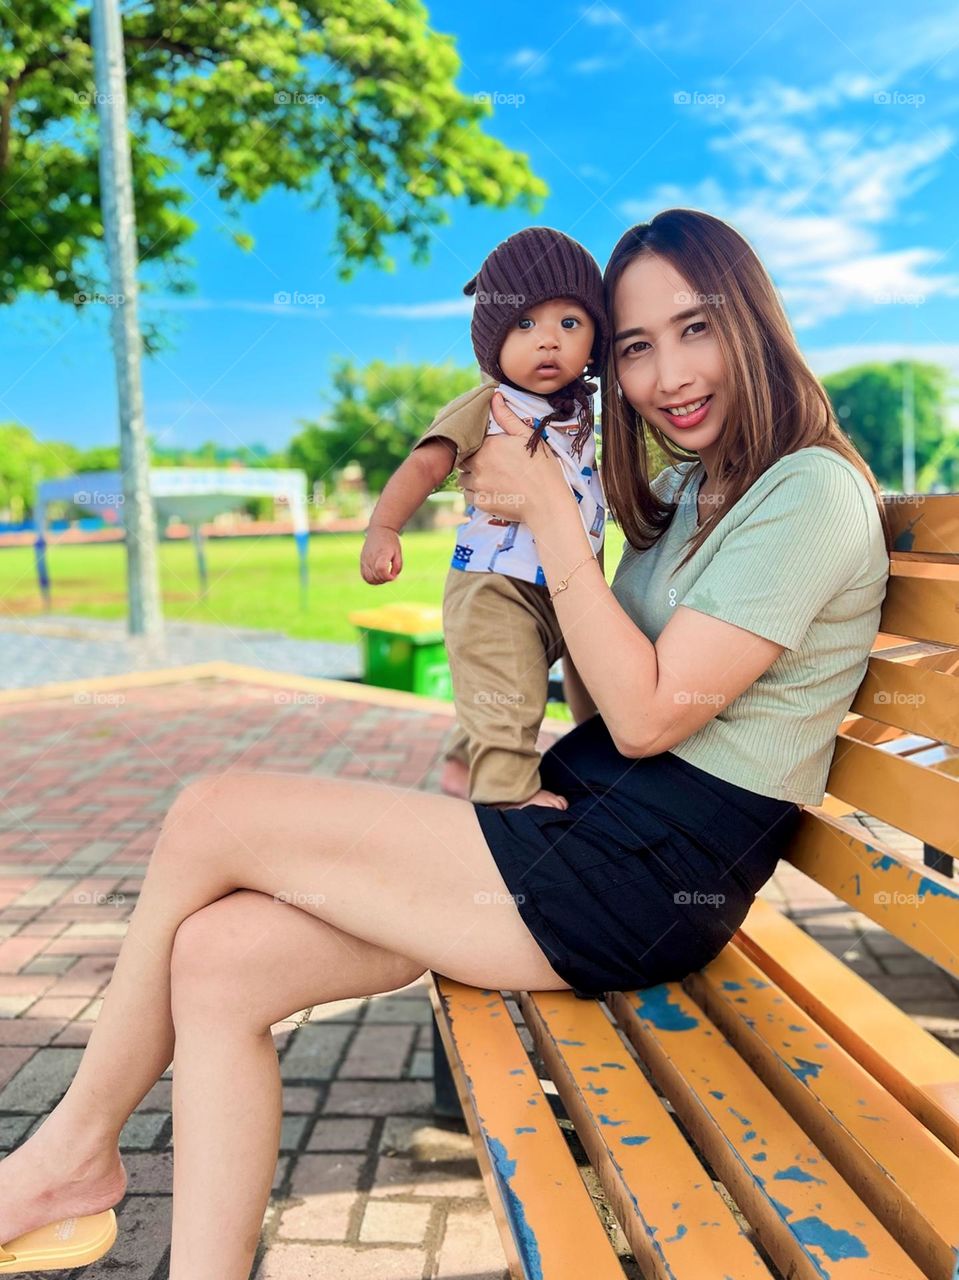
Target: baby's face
548, 345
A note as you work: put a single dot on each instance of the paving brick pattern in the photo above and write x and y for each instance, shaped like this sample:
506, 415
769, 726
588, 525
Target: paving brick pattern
368, 1182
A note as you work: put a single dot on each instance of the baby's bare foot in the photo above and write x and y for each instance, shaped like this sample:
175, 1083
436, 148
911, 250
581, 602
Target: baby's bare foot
549, 798
455, 779
42, 1183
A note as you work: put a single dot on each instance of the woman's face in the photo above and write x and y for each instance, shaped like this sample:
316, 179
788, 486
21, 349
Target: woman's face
548, 345
666, 353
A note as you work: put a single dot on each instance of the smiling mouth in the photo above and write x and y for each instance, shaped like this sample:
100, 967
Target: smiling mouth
687, 410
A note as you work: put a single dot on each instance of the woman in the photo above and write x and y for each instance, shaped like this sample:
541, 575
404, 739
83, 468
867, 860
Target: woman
708, 684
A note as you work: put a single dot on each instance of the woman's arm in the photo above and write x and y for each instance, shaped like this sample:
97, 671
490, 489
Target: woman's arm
575, 692
651, 696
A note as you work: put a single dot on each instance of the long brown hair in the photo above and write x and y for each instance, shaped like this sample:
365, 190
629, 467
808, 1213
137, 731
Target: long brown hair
775, 403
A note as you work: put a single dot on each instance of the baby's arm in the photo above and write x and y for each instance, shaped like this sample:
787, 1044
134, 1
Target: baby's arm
406, 490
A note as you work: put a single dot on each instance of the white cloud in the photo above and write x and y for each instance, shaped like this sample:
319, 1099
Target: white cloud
524, 58
828, 197
441, 310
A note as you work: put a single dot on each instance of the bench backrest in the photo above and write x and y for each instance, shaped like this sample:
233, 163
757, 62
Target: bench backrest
896, 760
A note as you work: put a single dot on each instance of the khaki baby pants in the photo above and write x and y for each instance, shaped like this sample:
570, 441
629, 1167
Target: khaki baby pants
502, 637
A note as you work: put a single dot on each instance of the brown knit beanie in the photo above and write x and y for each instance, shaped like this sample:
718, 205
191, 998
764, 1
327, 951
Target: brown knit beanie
533, 266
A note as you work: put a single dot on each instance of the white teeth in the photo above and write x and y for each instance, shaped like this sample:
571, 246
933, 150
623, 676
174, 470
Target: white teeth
689, 408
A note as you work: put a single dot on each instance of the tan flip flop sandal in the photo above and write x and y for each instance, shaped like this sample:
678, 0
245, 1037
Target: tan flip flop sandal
60, 1245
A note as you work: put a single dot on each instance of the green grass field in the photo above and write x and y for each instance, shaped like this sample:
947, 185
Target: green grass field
253, 582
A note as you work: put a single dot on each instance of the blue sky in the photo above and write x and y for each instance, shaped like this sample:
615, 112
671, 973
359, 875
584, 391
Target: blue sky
826, 134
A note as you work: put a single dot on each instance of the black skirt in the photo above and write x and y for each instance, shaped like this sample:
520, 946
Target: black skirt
647, 874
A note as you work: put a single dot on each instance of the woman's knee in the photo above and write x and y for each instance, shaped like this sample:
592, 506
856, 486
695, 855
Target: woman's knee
207, 960
197, 821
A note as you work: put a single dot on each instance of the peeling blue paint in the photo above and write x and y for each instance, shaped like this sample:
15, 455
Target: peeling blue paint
740, 1118
614, 1066
517, 1071
526, 1128
795, 1174
604, 1119
758, 984
636, 1141
732, 986
592, 1088
803, 1069
793, 1027
760, 1155
579, 1043
835, 1243
717, 1093
749, 1135
934, 890
885, 862
589, 1068
656, 1005
526, 1241
680, 1232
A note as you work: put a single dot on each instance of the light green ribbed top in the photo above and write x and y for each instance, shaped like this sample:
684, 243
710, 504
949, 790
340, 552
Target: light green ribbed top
799, 559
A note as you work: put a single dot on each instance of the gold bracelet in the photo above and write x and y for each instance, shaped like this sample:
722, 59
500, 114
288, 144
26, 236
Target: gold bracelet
565, 582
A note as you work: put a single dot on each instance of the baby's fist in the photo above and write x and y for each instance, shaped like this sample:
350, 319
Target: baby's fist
382, 558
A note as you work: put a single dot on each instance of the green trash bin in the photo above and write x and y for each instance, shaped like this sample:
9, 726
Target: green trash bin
403, 649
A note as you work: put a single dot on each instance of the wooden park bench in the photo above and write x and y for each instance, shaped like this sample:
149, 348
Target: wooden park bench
773, 1113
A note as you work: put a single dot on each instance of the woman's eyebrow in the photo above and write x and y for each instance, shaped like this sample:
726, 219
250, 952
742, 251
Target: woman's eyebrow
680, 315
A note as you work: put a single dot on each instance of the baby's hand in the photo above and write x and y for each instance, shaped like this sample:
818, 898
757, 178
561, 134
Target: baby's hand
381, 558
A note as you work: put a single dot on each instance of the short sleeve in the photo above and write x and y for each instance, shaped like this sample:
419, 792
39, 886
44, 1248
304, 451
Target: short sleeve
802, 544
463, 422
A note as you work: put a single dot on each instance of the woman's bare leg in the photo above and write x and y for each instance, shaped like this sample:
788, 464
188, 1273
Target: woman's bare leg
239, 966
405, 870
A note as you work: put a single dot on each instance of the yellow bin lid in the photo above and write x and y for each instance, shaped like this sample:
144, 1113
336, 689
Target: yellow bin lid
408, 619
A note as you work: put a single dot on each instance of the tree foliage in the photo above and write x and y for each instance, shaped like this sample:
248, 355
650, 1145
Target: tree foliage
868, 400
378, 412
351, 103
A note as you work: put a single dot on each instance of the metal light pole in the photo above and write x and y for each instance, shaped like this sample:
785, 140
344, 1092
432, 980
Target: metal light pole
908, 414
119, 225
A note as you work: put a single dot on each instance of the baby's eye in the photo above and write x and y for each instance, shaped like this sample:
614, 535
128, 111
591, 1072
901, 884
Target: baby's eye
522, 323
571, 321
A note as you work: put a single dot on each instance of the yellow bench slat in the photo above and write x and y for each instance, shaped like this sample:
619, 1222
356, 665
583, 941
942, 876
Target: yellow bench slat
923, 522
674, 1218
913, 1065
883, 885
903, 1173
911, 698
922, 606
923, 802
549, 1227
810, 1221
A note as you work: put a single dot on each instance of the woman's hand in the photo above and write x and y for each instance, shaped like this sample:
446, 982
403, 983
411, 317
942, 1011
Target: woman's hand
504, 480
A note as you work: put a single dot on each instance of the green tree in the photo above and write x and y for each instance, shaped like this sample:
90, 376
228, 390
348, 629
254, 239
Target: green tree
868, 398
377, 413
24, 462
349, 102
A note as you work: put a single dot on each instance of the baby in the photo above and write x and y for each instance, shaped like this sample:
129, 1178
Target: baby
538, 326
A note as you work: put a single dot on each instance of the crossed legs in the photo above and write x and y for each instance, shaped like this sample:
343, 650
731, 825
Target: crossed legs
265, 893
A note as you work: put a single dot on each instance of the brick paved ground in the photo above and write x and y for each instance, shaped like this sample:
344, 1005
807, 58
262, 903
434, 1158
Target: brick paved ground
369, 1184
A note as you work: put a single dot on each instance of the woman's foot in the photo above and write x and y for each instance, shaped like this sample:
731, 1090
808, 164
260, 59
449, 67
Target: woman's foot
455, 779
45, 1181
549, 798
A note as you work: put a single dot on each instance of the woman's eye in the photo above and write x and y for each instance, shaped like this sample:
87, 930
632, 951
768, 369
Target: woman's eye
697, 324
632, 350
